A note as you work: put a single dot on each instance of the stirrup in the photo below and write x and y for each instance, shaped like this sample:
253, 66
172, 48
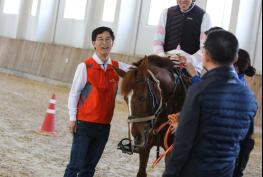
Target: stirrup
125, 145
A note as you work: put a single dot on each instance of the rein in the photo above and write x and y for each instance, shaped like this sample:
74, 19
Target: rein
172, 122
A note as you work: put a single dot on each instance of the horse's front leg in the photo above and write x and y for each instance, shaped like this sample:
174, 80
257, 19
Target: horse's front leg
144, 157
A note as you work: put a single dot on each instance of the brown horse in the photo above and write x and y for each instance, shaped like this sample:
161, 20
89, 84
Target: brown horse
153, 90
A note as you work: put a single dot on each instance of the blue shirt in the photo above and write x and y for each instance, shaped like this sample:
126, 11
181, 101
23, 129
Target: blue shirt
242, 78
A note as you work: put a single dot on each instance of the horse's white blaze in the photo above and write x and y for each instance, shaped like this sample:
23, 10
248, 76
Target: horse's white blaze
129, 102
130, 112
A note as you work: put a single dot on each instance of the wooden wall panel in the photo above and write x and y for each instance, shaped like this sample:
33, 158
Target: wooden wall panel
25, 53
3, 49
255, 83
45, 60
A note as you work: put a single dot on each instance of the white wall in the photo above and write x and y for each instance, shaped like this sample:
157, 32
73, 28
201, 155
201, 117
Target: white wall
69, 31
8, 23
127, 27
133, 34
46, 21
247, 29
258, 51
145, 31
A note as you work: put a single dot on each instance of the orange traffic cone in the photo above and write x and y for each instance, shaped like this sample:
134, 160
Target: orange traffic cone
48, 125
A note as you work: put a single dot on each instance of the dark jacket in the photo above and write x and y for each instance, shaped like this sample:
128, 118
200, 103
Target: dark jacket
183, 29
217, 115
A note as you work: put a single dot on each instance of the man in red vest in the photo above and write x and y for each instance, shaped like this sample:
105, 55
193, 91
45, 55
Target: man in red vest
91, 105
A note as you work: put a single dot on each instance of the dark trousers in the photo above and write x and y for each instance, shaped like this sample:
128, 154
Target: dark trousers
243, 157
88, 144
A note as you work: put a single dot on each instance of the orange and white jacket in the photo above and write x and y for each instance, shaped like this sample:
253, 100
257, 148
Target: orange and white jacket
93, 91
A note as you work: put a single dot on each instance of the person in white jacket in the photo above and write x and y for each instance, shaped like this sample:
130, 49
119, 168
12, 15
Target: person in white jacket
181, 30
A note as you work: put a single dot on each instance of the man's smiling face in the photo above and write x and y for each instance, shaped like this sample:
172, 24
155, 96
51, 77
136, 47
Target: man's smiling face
103, 44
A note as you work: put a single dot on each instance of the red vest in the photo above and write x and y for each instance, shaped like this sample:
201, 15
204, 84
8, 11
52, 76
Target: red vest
97, 99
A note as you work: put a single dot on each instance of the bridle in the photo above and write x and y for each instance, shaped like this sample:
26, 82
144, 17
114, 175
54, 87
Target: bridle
137, 119
126, 145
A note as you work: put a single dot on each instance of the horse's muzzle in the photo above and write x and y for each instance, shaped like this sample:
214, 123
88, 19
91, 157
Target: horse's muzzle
141, 141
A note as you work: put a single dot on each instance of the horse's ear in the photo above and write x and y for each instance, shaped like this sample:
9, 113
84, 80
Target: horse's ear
119, 71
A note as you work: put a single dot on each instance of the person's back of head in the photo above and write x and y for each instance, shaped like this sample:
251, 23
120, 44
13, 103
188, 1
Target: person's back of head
222, 47
213, 29
243, 64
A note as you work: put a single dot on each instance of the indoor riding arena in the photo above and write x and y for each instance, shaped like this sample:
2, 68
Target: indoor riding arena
41, 44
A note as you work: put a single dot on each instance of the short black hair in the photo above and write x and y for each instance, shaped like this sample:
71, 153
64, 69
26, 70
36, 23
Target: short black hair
222, 47
101, 30
213, 29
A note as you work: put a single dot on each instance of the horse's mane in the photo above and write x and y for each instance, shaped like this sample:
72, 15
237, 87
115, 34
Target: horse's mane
155, 60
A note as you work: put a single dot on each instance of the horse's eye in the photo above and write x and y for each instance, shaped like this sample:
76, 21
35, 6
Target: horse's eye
141, 98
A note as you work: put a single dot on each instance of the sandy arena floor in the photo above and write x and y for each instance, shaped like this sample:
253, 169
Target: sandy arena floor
23, 153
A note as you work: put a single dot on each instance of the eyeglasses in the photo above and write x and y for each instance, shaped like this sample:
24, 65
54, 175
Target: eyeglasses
101, 40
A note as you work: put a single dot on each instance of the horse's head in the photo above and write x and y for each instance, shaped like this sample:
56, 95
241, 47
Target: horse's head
145, 89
